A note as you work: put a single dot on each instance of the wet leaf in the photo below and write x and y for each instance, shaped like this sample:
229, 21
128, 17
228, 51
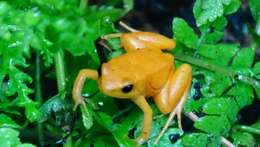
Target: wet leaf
255, 8
218, 125
6, 121
222, 106
86, 118
243, 139
219, 54
55, 105
118, 130
11, 138
243, 94
256, 70
200, 139
184, 33
244, 58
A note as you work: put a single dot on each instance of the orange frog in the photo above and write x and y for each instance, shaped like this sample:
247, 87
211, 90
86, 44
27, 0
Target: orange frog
144, 71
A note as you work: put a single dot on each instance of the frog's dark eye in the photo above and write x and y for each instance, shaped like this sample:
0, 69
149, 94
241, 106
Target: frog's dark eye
127, 88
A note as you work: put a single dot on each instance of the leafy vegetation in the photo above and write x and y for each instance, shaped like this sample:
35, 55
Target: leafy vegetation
44, 43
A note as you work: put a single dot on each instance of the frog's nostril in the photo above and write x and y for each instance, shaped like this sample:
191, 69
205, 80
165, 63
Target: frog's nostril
127, 88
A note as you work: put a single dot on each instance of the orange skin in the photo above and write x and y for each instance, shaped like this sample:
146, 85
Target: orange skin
144, 71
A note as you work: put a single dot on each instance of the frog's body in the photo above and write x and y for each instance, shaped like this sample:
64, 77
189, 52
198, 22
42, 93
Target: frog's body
144, 71
147, 69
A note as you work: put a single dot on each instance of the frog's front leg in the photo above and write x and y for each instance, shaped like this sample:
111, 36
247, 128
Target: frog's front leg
147, 122
79, 83
174, 94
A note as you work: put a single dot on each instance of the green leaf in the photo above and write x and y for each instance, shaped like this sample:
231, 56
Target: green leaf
86, 118
115, 44
243, 139
26, 145
133, 119
105, 103
90, 87
232, 7
128, 5
120, 134
32, 17
32, 113
104, 140
4, 8
56, 5
255, 8
206, 11
257, 27
184, 33
256, 125
244, 58
200, 140
213, 124
256, 70
119, 131
95, 13
220, 53
9, 137
195, 105
213, 37
104, 26
222, 106
243, 94
165, 141
6, 121
257, 89
215, 84
17, 80
57, 106
220, 23
219, 87
104, 120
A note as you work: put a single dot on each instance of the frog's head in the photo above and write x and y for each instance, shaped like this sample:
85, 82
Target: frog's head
118, 81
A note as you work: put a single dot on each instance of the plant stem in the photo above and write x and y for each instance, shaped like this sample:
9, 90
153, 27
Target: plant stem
218, 69
38, 95
61, 81
60, 72
83, 4
248, 129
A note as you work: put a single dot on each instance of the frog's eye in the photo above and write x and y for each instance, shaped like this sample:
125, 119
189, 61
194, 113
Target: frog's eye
127, 88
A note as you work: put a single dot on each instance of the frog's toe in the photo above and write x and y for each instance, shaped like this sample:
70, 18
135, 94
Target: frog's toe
79, 102
179, 111
140, 141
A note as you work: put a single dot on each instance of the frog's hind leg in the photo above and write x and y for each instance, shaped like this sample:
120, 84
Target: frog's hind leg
173, 95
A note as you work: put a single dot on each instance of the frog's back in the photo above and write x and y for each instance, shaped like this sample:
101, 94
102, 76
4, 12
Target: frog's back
153, 67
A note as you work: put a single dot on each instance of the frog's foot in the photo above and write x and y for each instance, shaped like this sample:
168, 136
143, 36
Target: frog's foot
177, 111
127, 27
111, 36
80, 101
79, 83
118, 35
147, 123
